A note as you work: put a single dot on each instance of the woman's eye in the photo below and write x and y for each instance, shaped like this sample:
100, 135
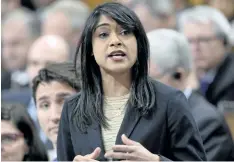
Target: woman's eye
125, 32
103, 35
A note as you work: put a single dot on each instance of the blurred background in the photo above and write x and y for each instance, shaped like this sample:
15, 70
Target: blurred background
24, 21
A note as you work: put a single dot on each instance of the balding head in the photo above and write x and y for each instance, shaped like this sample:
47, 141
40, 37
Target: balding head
19, 29
46, 49
154, 14
65, 18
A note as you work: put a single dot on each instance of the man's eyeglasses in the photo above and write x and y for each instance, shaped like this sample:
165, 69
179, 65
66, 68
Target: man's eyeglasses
10, 138
201, 39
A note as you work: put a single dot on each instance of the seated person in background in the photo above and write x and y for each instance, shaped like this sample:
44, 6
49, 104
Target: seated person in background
208, 33
46, 49
66, 19
171, 63
15, 45
19, 138
154, 14
51, 86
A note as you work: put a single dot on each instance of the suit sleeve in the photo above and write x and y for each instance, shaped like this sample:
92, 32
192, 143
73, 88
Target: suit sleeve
216, 138
185, 139
65, 150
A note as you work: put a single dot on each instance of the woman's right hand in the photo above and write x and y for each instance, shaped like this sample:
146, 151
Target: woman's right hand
88, 157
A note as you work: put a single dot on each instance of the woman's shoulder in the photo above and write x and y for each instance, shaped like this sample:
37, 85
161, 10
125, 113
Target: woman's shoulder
172, 100
169, 98
73, 98
71, 102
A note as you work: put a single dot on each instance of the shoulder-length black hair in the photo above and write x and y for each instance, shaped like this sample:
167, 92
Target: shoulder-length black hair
142, 96
18, 115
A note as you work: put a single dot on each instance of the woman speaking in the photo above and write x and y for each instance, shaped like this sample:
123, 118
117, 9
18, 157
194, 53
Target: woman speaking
120, 113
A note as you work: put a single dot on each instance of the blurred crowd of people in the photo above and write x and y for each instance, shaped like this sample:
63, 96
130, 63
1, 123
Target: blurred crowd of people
38, 33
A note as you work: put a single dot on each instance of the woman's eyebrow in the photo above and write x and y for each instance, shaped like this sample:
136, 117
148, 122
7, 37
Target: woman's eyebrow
100, 25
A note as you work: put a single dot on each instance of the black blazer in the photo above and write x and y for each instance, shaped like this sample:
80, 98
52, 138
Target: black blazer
215, 133
222, 87
170, 130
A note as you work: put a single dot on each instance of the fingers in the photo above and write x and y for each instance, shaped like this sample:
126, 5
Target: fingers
94, 154
124, 148
118, 155
89, 157
81, 158
123, 151
128, 141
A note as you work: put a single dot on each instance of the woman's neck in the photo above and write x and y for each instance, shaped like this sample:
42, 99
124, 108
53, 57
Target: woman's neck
115, 85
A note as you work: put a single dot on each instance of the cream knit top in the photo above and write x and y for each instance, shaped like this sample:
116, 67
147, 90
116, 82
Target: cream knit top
114, 110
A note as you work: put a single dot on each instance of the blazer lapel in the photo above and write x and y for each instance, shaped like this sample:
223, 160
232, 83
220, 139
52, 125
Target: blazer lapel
95, 140
223, 79
131, 118
129, 122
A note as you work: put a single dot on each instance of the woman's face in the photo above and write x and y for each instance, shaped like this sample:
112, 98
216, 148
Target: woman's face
114, 48
13, 146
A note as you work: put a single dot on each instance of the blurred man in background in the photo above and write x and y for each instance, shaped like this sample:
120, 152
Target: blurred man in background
20, 28
208, 32
46, 49
65, 18
51, 87
154, 13
171, 63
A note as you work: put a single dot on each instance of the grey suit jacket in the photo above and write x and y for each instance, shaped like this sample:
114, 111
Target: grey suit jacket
215, 133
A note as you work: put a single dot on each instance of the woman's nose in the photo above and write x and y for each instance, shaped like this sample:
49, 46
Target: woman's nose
115, 41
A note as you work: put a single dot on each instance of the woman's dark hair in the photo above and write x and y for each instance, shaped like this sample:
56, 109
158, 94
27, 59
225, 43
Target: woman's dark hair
142, 97
18, 115
61, 72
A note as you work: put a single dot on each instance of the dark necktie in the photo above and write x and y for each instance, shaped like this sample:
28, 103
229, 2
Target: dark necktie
204, 86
